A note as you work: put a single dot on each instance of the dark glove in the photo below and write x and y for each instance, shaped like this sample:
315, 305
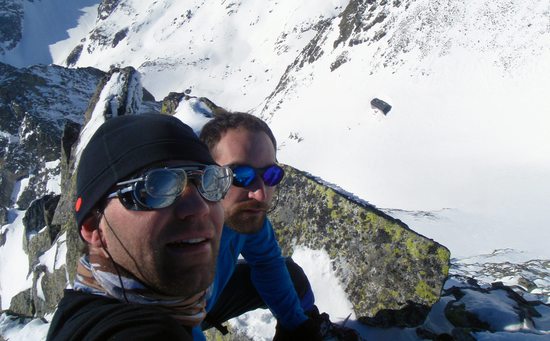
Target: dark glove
308, 330
316, 328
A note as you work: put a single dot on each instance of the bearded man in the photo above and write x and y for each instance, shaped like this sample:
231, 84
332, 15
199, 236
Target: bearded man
263, 278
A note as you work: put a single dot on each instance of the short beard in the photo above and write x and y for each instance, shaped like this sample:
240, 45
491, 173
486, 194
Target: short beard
240, 221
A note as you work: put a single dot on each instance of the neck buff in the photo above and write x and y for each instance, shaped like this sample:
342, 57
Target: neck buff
96, 275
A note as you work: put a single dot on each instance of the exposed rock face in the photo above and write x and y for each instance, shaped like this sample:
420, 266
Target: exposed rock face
73, 57
11, 19
359, 22
38, 106
35, 104
106, 7
382, 263
171, 102
39, 232
119, 92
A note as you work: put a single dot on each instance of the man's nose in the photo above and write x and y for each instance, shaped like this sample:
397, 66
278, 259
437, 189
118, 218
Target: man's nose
190, 202
257, 190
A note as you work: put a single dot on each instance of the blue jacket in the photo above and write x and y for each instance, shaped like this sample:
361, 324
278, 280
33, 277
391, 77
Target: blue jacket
268, 271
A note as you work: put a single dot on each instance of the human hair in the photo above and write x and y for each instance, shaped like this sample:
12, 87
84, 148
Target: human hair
212, 131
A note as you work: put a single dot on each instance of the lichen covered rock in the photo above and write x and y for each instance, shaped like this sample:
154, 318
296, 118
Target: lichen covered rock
380, 261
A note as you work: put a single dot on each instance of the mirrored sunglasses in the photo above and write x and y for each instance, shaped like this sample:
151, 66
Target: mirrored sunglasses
159, 188
244, 175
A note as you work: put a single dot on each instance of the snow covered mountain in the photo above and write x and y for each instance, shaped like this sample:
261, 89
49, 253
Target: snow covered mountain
463, 156
467, 81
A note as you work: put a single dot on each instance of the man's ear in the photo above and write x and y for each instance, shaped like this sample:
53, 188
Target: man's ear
90, 230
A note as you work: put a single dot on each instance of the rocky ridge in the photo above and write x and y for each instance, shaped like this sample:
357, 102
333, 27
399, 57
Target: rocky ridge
50, 228
372, 251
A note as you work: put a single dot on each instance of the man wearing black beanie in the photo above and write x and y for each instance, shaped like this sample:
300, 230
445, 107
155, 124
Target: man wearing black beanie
148, 208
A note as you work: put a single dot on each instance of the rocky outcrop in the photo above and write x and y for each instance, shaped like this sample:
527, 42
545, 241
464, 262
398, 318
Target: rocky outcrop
106, 7
469, 307
35, 104
39, 231
11, 24
383, 264
119, 92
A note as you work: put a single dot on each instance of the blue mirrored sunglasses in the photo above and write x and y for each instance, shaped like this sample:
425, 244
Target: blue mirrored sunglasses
244, 175
159, 188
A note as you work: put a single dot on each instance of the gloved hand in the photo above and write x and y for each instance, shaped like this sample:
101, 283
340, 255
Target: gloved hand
308, 330
317, 327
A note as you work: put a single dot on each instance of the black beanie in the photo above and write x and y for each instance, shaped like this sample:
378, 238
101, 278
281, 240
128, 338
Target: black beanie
123, 146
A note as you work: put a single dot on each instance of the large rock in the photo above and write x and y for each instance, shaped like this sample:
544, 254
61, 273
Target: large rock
382, 263
39, 232
22, 304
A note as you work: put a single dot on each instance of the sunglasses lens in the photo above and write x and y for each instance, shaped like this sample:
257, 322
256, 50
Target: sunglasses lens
144, 200
215, 182
165, 182
243, 176
273, 175
160, 188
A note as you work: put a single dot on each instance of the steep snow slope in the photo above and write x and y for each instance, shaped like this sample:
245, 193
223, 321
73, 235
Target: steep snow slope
467, 81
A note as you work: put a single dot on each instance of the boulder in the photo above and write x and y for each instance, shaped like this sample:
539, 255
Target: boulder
381, 262
22, 304
39, 233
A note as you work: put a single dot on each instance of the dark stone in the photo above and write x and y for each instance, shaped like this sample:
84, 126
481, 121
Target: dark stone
412, 315
170, 103
425, 334
119, 36
39, 232
98, 37
462, 334
39, 214
527, 284
3, 238
74, 55
457, 314
350, 20
381, 105
22, 304
7, 181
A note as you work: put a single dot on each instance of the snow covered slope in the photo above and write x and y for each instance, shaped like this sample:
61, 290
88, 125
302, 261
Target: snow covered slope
463, 156
469, 128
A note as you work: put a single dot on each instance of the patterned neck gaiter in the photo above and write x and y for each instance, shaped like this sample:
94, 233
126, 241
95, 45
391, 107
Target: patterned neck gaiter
96, 275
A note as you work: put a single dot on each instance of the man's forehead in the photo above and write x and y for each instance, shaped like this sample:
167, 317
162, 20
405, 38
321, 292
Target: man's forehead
170, 163
242, 146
